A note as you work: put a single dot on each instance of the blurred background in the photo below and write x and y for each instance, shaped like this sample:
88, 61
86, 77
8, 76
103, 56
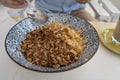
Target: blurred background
103, 10
116, 3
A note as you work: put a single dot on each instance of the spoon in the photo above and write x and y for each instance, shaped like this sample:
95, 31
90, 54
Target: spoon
37, 15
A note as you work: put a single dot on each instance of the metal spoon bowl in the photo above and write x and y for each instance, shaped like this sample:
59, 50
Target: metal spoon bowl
38, 15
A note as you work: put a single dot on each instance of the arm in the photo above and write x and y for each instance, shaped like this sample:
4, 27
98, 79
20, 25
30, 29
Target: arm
83, 1
14, 3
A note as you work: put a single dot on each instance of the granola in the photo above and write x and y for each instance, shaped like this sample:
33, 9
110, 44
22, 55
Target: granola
53, 45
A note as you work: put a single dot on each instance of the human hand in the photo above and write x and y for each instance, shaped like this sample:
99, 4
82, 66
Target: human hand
14, 3
83, 1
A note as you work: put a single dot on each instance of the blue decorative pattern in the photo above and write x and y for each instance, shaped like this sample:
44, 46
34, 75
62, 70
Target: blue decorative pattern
18, 33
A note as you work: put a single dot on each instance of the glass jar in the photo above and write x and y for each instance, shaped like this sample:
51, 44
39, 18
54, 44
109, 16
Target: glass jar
116, 33
15, 8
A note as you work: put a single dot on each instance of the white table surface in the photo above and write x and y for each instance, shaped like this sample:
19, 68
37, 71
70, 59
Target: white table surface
105, 65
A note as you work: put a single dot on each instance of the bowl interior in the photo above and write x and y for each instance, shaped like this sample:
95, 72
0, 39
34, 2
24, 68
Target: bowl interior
18, 33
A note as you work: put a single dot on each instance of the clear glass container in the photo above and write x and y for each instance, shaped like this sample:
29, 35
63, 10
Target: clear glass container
16, 14
15, 8
116, 33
